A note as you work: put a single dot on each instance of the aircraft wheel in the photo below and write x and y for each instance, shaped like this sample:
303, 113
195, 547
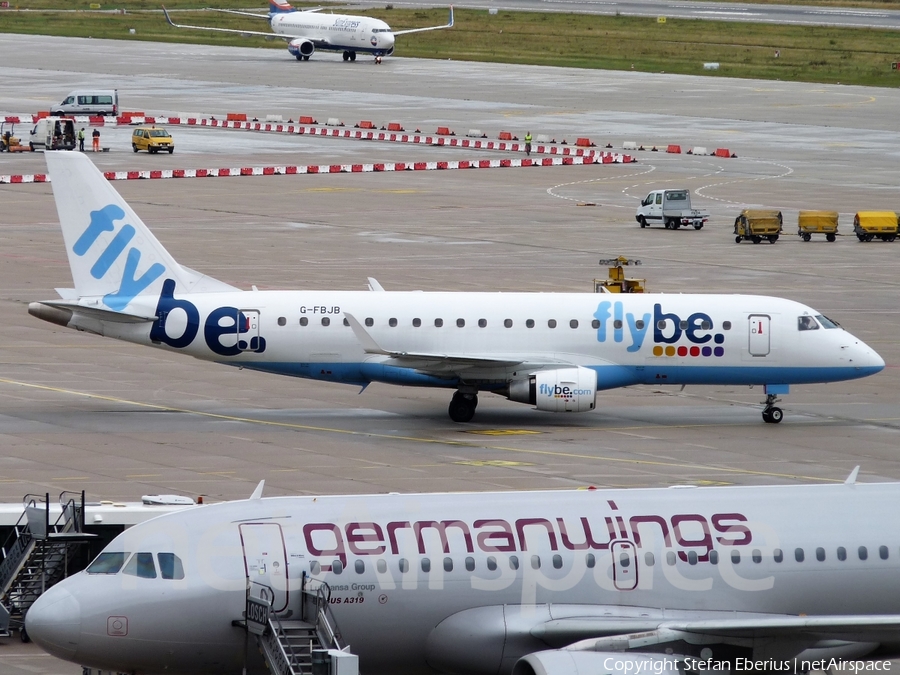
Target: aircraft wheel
772, 415
346, 56
23, 635
306, 58
353, 56
300, 57
462, 407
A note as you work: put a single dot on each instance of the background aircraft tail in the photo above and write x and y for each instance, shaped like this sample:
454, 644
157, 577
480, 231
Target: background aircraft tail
111, 252
280, 7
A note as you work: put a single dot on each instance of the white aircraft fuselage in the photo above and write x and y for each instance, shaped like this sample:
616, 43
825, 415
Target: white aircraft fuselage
335, 32
474, 583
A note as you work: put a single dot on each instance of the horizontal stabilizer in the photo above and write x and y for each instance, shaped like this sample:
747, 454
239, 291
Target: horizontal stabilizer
61, 311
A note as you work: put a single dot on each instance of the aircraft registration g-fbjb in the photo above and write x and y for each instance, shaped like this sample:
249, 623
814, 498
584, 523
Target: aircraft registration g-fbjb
308, 30
551, 350
581, 582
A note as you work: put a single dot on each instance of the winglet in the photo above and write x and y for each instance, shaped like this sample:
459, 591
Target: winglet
450, 24
851, 479
367, 341
168, 18
257, 493
374, 285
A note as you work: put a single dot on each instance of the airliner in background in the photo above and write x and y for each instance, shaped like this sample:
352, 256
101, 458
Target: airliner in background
553, 351
309, 30
581, 582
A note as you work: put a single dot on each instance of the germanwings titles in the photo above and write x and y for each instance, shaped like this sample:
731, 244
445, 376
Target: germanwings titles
576, 582
554, 351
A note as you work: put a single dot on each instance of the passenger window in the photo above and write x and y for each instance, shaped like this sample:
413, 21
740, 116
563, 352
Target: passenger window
360, 567
557, 561
404, 565
841, 553
470, 564
141, 565
508, 323
639, 324
426, 565
883, 552
670, 558
337, 567
661, 324
590, 560
863, 553
170, 566
595, 323
417, 323
820, 554
491, 563
535, 562
513, 562
778, 555
314, 567
370, 322
529, 323
438, 323
714, 557
726, 325
799, 555
107, 563
303, 321
460, 323
692, 557
617, 324
736, 557
682, 325
806, 323
448, 564
757, 555
392, 322
551, 323
326, 321
282, 321
573, 323
381, 566
482, 323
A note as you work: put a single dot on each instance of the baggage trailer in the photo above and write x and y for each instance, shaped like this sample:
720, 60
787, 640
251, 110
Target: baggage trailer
870, 224
756, 225
817, 222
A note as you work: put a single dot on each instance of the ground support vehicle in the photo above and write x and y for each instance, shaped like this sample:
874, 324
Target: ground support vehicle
152, 139
53, 133
817, 222
9, 142
756, 225
672, 208
870, 224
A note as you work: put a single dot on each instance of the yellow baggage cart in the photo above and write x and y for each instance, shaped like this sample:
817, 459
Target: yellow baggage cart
870, 224
756, 225
817, 222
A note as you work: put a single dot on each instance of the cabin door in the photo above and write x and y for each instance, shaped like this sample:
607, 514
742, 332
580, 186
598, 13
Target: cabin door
265, 560
247, 325
624, 565
760, 340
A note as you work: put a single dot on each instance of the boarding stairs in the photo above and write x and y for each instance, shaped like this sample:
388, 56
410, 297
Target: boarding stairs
36, 555
289, 645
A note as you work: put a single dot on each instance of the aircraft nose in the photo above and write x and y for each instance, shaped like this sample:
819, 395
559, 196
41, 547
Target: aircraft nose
54, 622
866, 359
388, 39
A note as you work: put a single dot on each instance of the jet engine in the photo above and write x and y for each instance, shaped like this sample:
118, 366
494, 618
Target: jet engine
558, 390
573, 662
301, 48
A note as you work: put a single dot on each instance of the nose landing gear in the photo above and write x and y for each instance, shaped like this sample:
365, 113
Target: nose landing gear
772, 414
462, 407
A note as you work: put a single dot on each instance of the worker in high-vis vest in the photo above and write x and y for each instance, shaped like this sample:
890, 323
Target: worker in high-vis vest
528, 143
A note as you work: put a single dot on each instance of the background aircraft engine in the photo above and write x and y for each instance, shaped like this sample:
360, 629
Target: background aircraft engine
559, 390
301, 47
572, 662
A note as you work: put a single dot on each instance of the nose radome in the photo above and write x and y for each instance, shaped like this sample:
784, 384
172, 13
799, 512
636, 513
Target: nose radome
54, 622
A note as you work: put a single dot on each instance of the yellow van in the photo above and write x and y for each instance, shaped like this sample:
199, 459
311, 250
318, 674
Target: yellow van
152, 139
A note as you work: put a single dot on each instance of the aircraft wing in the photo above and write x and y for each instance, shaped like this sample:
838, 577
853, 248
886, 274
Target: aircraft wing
237, 11
449, 24
268, 34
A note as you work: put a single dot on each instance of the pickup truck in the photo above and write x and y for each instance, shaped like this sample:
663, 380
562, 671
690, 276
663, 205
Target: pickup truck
672, 208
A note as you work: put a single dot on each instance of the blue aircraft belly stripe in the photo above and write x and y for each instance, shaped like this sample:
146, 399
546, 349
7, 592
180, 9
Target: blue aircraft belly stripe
608, 377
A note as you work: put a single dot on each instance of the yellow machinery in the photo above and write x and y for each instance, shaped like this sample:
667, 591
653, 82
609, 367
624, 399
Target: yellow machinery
8, 142
756, 225
617, 282
817, 222
870, 224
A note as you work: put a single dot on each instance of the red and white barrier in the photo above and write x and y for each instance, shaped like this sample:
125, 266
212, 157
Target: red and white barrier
598, 158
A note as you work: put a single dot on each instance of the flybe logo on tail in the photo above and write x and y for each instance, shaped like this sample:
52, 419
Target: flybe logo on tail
668, 330
131, 285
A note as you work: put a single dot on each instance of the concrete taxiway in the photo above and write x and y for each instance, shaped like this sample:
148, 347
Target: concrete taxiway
80, 412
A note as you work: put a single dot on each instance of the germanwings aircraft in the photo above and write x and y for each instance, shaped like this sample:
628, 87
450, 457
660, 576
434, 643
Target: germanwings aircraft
308, 30
582, 582
553, 351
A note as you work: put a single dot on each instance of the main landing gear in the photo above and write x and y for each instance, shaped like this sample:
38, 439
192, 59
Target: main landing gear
349, 56
462, 407
772, 414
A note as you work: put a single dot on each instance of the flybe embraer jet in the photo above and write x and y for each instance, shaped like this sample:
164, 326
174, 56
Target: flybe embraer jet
308, 30
584, 582
553, 351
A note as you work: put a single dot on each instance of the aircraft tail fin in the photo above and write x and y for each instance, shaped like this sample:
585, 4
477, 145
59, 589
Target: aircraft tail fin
112, 254
280, 7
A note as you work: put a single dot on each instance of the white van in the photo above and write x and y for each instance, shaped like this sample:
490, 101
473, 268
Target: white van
89, 102
53, 133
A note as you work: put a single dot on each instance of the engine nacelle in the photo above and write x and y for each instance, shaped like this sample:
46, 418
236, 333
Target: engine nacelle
573, 662
559, 390
301, 47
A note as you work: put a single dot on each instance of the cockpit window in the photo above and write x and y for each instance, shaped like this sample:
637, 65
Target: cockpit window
806, 322
141, 565
107, 563
826, 322
170, 566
